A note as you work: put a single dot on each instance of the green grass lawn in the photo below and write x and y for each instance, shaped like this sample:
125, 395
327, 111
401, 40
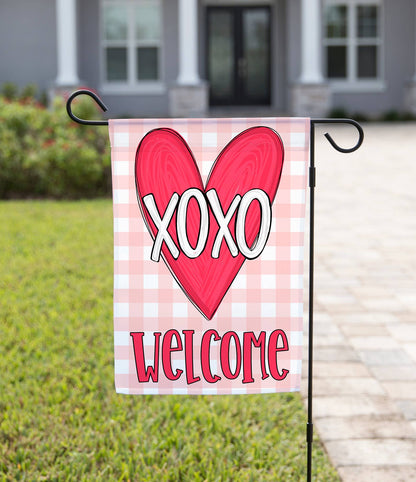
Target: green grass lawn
60, 418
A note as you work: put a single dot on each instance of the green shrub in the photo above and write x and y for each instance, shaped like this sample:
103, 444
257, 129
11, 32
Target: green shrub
338, 113
29, 91
360, 117
43, 153
9, 90
397, 116
391, 116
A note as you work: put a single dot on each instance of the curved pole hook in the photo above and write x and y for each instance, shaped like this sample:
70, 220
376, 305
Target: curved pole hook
82, 121
341, 121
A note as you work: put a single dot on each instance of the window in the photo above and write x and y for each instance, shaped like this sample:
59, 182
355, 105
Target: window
131, 39
353, 40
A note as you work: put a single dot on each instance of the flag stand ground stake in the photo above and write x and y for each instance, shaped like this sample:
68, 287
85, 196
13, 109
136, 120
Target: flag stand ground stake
312, 179
312, 172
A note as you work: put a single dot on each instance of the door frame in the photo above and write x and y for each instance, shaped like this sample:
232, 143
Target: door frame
239, 99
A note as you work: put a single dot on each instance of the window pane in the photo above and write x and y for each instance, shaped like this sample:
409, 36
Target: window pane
256, 53
116, 63
367, 62
336, 21
147, 26
221, 54
337, 62
147, 63
367, 21
115, 23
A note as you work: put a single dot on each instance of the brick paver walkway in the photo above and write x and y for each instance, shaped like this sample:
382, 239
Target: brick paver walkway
365, 303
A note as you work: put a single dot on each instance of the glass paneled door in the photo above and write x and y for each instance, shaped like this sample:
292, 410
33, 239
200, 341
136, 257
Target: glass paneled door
238, 57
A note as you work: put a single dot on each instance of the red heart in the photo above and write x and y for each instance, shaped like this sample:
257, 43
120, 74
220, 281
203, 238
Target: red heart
165, 165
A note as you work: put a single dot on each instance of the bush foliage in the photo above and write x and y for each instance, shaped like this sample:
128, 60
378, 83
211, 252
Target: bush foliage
43, 153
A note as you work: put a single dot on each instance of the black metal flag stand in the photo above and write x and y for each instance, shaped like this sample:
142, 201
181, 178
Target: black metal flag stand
312, 179
312, 175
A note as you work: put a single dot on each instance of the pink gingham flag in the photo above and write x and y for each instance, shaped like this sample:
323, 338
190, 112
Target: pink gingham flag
208, 254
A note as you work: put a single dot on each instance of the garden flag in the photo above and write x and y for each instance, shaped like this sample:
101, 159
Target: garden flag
208, 254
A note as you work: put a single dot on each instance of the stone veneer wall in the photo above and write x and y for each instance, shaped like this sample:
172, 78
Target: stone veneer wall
188, 100
410, 98
313, 100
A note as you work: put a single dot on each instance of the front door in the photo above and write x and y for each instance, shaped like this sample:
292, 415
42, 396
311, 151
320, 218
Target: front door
238, 57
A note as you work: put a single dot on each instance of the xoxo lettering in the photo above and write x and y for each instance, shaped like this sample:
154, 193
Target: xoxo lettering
239, 206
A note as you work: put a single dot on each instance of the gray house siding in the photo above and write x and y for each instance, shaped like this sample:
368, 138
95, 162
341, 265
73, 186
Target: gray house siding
279, 56
294, 41
399, 55
88, 21
28, 42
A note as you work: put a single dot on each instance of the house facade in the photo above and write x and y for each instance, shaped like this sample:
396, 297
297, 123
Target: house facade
193, 57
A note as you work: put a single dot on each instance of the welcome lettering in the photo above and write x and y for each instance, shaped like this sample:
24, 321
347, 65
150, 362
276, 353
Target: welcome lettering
230, 348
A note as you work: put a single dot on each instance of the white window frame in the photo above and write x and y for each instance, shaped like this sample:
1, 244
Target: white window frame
231, 3
352, 83
132, 85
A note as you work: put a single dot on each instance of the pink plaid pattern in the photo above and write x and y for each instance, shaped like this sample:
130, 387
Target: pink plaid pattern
266, 295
